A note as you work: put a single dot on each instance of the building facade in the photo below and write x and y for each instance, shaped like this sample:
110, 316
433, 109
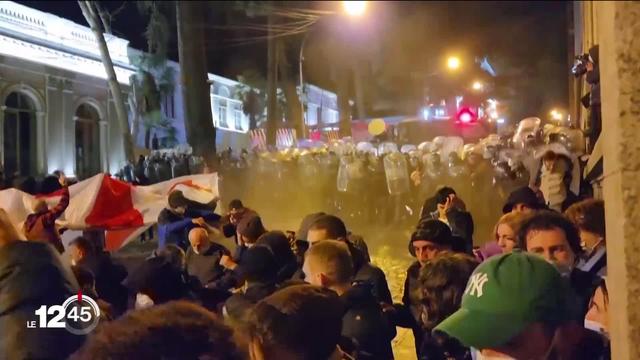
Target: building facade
321, 111
56, 111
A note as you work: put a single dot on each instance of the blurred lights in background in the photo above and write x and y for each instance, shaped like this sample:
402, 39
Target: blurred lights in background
556, 115
477, 86
466, 116
426, 113
354, 8
453, 63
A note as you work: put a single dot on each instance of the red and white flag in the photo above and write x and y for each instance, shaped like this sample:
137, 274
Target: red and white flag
102, 202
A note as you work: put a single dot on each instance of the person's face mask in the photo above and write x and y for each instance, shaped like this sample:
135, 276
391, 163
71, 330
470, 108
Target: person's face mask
595, 326
143, 301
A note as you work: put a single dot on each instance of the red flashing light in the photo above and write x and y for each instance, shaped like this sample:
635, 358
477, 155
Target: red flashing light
466, 116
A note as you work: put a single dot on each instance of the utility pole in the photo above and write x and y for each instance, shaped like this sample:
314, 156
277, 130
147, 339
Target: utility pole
272, 81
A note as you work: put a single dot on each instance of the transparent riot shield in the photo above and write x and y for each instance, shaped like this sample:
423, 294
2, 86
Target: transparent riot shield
343, 174
396, 172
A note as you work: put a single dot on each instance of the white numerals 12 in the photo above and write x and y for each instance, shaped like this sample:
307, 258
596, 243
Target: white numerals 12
56, 321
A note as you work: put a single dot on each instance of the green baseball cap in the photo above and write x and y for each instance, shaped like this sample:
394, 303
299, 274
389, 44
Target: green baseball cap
503, 296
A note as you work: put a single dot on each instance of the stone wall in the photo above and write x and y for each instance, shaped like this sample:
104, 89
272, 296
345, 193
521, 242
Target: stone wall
619, 37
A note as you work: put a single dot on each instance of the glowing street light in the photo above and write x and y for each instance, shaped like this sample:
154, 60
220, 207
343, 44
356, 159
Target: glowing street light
354, 8
477, 86
453, 63
556, 115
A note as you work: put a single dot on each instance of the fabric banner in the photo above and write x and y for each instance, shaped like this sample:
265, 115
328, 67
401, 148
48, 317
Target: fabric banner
102, 202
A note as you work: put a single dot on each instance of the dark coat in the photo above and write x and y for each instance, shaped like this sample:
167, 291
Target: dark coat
238, 305
376, 277
32, 275
365, 323
441, 347
206, 266
583, 286
109, 276
575, 342
409, 313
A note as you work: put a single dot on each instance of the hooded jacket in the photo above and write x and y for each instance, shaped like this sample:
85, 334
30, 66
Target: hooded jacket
365, 323
407, 314
32, 275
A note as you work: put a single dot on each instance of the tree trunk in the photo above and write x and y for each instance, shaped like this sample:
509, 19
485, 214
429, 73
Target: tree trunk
358, 79
92, 17
294, 112
201, 134
147, 138
134, 109
272, 81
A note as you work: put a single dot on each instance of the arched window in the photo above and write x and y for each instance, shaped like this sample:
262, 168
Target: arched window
224, 92
19, 134
87, 122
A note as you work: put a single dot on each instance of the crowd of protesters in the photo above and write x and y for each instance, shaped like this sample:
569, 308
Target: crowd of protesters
537, 291
232, 287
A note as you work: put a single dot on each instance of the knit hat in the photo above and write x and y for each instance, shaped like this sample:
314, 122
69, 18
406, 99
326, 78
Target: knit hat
251, 227
523, 195
504, 295
306, 224
259, 264
433, 230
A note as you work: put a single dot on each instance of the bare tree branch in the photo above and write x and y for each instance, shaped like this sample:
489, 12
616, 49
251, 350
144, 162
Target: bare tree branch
105, 17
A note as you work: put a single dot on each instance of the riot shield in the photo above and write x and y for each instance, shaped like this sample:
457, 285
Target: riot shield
396, 172
387, 148
527, 128
405, 149
424, 147
343, 174
451, 144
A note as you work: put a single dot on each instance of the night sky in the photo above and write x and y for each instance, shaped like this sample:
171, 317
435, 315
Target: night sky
525, 38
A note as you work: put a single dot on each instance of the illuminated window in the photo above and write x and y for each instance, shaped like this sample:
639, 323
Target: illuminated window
332, 116
169, 106
19, 135
87, 141
237, 119
222, 114
312, 115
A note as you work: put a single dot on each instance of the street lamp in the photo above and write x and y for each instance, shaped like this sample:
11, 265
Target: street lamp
351, 8
556, 115
453, 63
354, 8
477, 86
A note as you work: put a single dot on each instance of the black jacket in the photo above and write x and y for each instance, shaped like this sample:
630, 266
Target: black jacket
206, 266
376, 277
109, 276
366, 324
32, 275
369, 273
441, 347
583, 286
409, 313
238, 305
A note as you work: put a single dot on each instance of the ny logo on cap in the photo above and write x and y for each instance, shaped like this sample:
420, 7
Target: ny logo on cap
476, 283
